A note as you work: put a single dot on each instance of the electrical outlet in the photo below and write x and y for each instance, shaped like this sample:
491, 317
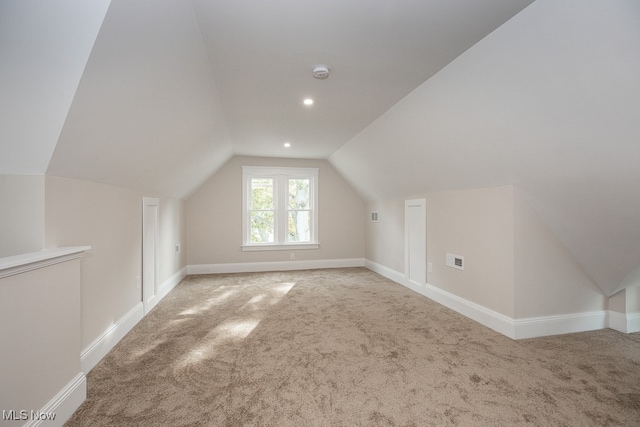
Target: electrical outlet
138, 282
430, 267
178, 248
292, 256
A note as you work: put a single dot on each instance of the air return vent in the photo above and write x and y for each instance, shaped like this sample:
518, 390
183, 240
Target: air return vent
374, 216
455, 261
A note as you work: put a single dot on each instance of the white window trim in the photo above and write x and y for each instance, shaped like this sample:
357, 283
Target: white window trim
280, 175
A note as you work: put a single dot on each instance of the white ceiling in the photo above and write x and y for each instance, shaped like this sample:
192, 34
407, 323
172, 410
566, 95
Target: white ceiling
424, 95
44, 47
549, 102
262, 54
146, 114
172, 90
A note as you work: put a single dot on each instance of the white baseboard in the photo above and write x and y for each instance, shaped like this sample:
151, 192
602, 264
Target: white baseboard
171, 283
489, 318
627, 323
252, 267
99, 348
563, 324
633, 323
63, 405
512, 328
165, 288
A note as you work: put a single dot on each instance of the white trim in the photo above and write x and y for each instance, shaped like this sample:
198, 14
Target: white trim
252, 267
173, 281
387, 272
626, 323
99, 348
150, 284
562, 324
279, 175
617, 321
94, 352
65, 403
409, 236
512, 328
276, 247
633, 323
489, 318
18, 264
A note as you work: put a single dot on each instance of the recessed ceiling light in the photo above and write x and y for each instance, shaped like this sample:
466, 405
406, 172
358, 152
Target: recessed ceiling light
308, 101
287, 144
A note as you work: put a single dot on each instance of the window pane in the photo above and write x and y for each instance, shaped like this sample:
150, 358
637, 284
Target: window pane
261, 193
299, 193
262, 226
299, 226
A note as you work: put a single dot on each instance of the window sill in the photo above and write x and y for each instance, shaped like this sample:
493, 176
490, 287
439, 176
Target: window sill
290, 247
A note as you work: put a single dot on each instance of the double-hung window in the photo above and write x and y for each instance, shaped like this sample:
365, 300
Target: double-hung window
279, 208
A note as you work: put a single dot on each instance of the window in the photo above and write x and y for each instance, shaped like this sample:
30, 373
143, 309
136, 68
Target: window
279, 208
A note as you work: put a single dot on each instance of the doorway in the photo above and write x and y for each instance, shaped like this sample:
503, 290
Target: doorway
150, 216
415, 226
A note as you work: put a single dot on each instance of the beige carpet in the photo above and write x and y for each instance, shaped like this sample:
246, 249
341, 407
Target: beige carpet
347, 347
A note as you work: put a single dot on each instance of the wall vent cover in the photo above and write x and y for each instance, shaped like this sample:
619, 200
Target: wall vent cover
455, 261
374, 216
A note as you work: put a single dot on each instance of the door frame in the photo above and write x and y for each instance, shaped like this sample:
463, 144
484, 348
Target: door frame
410, 235
150, 252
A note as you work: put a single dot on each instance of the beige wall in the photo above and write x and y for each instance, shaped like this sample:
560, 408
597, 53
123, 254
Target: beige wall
618, 302
214, 217
21, 214
477, 224
633, 299
172, 232
109, 219
548, 279
513, 263
40, 335
385, 238
627, 301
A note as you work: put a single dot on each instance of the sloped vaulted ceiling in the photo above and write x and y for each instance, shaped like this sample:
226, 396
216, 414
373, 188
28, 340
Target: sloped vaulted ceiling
549, 102
172, 89
146, 114
44, 47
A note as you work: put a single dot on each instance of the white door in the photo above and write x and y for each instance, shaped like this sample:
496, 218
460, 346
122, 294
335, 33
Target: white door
150, 208
415, 226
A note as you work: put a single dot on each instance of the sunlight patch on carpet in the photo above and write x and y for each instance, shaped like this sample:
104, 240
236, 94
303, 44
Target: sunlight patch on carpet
219, 299
232, 330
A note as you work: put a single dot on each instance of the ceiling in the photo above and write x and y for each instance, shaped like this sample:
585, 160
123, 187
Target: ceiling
424, 96
156, 94
262, 54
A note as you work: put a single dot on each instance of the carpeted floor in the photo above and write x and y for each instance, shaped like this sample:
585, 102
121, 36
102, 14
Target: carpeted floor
347, 347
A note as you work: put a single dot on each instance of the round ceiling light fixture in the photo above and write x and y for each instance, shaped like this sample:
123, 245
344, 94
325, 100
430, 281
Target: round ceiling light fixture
321, 72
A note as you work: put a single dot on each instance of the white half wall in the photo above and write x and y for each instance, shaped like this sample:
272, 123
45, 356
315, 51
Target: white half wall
40, 335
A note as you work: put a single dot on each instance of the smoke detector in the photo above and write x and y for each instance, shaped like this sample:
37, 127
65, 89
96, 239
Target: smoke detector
321, 72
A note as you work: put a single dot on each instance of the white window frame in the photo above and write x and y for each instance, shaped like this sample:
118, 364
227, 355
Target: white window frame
280, 176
